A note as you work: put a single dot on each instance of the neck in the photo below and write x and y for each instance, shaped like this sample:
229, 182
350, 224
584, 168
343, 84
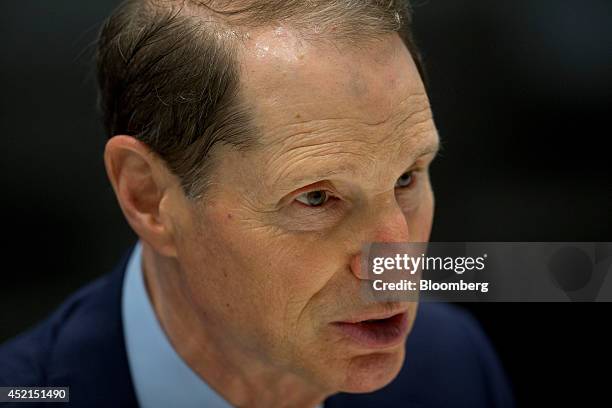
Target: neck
241, 378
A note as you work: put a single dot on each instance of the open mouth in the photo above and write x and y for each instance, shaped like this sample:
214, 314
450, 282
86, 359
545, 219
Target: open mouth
376, 333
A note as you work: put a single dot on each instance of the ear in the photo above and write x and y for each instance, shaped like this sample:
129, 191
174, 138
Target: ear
142, 183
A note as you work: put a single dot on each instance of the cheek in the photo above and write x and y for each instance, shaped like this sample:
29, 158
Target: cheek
294, 268
260, 274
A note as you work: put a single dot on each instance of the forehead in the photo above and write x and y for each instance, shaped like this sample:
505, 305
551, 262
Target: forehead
347, 101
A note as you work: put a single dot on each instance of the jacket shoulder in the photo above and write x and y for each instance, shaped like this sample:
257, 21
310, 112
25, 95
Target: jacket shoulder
26, 358
80, 345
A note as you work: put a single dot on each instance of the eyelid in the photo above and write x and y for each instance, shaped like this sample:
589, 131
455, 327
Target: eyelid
414, 172
319, 185
325, 207
328, 197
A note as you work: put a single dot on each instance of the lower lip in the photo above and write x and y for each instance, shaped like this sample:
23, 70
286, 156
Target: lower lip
378, 334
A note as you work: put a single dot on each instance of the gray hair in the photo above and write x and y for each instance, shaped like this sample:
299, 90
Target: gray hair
168, 69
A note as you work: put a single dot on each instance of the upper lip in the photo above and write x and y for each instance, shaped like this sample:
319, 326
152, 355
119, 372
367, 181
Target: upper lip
374, 315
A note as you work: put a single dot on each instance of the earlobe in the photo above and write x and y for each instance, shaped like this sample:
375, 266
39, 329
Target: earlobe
135, 174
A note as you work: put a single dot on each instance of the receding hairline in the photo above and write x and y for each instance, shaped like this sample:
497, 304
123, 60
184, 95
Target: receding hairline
149, 96
345, 20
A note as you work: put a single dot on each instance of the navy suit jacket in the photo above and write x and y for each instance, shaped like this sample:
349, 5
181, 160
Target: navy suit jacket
449, 361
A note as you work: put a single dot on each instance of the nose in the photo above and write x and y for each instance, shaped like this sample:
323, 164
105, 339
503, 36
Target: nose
389, 226
392, 227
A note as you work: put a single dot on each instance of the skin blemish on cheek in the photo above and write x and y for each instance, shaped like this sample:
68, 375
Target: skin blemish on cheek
298, 116
229, 216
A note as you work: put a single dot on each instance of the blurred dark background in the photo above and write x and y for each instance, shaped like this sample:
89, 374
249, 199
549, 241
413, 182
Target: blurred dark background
522, 95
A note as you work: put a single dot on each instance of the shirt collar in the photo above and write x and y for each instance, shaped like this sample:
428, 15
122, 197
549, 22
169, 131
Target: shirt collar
161, 378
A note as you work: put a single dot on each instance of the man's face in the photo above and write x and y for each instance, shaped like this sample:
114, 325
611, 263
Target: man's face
270, 257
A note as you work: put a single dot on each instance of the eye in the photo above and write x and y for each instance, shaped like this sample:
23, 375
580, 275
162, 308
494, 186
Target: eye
315, 198
405, 180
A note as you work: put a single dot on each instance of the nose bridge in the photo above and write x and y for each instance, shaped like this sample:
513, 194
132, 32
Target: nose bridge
384, 222
388, 221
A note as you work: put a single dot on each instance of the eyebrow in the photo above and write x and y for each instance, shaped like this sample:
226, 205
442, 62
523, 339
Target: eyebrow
313, 178
429, 148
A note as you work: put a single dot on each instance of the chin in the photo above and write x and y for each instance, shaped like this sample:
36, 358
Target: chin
371, 372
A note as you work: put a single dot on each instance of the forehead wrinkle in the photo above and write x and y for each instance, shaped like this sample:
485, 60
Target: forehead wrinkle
398, 121
350, 164
363, 152
340, 158
418, 108
328, 128
313, 136
284, 135
413, 126
423, 141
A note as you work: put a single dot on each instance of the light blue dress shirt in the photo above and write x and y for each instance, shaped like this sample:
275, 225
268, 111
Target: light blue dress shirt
161, 378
